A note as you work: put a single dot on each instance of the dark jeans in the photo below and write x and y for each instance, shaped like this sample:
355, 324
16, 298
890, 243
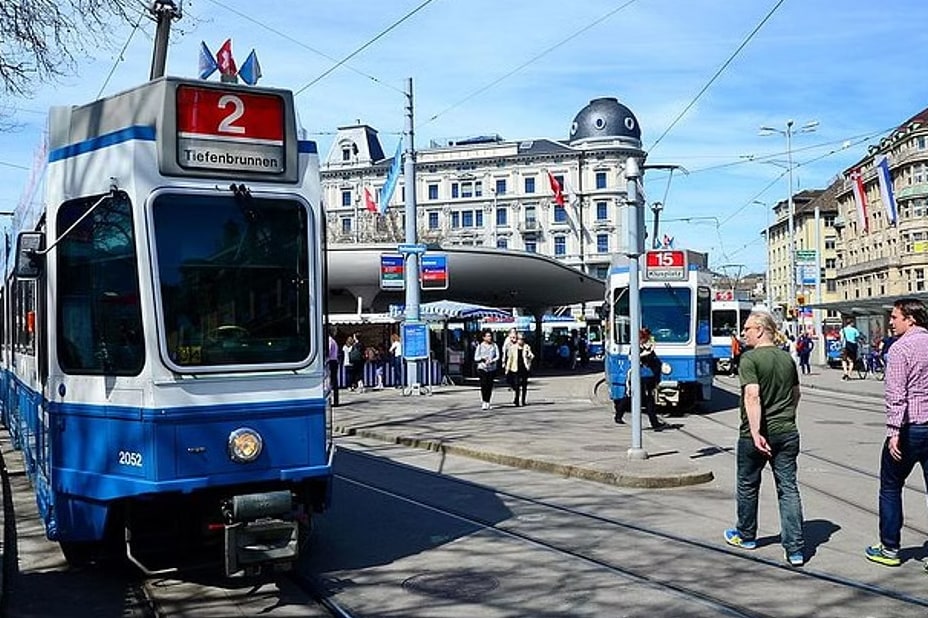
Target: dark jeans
804, 365
751, 462
486, 385
333, 380
519, 385
913, 442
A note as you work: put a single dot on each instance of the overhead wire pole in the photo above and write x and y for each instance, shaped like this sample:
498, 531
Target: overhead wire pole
634, 249
411, 268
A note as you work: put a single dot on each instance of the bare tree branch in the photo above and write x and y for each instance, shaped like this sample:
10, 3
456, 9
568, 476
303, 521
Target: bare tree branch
41, 40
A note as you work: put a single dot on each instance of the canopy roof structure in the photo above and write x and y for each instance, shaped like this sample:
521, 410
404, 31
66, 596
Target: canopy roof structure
476, 275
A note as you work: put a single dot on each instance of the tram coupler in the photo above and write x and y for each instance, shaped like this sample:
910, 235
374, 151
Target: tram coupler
259, 532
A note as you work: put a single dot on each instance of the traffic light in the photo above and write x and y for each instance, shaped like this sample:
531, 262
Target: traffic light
801, 299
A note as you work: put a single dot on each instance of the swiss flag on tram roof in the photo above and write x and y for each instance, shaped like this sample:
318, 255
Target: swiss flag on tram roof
225, 60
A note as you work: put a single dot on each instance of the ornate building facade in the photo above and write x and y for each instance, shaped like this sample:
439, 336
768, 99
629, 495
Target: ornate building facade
878, 257
490, 192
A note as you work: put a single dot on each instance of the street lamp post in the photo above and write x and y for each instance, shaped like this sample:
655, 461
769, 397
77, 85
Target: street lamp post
791, 253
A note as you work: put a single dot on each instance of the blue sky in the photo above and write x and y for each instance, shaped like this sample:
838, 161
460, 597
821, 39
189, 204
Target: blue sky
524, 69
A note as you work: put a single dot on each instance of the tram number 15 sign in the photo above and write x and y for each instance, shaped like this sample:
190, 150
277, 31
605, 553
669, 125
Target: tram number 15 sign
665, 266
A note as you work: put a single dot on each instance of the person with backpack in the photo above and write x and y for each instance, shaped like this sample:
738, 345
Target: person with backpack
804, 347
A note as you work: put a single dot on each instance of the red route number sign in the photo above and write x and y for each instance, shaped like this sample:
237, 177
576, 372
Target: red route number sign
665, 266
212, 112
230, 130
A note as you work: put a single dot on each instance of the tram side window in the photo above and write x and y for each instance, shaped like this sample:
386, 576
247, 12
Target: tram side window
99, 314
724, 323
24, 317
703, 316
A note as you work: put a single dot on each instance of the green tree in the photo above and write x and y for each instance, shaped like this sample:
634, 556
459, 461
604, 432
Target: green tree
41, 40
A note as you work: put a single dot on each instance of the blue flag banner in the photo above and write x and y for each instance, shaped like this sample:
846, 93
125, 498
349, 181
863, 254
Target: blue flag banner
886, 189
250, 71
207, 62
390, 185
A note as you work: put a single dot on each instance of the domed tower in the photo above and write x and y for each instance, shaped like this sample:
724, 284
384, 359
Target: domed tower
605, 122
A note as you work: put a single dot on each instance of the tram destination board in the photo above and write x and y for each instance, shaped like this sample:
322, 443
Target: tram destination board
227, 130
665, 266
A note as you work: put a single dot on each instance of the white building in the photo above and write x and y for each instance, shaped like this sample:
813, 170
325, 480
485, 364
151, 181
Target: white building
486, 191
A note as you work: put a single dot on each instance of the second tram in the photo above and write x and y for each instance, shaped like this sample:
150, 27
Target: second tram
676, 307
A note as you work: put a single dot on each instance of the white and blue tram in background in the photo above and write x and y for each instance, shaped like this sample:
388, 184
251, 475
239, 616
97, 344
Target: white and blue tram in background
675, 298
163, 350
728, 318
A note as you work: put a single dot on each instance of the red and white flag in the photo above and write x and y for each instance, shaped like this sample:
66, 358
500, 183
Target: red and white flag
860, 200
556, 187
225, 60
369, 202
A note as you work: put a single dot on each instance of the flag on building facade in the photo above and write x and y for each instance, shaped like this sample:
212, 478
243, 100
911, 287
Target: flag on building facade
389, 186
207, 64
556, 188
369, 202
224, 59
860, 200
886, 189
251, 69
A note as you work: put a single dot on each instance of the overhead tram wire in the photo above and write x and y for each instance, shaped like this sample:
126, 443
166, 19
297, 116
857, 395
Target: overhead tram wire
119, 57
365, 46
295, 41
530, 61
717, 74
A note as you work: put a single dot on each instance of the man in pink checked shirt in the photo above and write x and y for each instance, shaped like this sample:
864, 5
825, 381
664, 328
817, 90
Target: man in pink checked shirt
906, 422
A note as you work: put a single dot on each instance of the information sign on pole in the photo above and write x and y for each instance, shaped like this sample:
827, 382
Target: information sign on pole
433, 272
415, 340
665, 266
391, 272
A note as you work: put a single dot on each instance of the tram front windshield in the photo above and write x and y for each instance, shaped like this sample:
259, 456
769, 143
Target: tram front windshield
666, 311
234, 279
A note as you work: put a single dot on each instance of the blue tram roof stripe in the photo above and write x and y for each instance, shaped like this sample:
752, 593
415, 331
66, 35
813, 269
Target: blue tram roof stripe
140, 132
135, 132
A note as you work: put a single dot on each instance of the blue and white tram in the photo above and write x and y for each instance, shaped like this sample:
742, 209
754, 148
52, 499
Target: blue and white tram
163, 365
728, 318
677, 309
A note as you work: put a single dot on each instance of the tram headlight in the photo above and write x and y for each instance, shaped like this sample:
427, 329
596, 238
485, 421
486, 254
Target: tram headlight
666, 369
245, 445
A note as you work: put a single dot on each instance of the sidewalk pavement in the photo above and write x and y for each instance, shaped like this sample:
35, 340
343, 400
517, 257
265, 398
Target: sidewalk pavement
567, 427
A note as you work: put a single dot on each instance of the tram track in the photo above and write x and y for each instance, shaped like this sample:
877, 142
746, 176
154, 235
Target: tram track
654, 576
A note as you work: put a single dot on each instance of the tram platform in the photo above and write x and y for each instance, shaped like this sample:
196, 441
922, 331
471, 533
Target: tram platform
567, 428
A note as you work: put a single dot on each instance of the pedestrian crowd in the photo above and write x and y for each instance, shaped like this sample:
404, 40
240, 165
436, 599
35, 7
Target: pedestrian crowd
769, 433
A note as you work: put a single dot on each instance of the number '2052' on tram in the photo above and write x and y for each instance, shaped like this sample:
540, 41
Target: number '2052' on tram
163, 359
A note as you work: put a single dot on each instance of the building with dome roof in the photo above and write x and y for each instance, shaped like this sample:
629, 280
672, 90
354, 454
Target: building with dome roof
486, 191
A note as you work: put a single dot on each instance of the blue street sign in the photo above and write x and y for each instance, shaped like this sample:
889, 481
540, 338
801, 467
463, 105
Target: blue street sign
415, 340
411, 248
433, 272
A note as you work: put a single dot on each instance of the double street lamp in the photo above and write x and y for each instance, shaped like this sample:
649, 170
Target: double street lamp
767, 296
791, 253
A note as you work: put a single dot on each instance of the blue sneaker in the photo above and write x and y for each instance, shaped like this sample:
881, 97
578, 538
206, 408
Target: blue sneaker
796, 559
733, 537
883, 555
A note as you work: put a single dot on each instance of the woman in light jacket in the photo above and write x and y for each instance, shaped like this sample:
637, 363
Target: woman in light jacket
486, 357
518, 365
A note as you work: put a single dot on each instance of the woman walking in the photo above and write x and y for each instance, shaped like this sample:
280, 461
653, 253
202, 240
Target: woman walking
518, 365
486, 356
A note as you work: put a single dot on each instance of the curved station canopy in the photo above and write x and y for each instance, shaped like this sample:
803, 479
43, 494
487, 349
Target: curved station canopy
485, 276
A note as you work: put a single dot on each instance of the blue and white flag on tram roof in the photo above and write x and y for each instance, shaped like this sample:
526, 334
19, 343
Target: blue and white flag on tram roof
886, 189
250, 71
207, 64
390, 184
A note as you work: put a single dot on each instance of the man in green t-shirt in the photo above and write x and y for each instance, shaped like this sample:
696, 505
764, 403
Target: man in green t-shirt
769, 396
